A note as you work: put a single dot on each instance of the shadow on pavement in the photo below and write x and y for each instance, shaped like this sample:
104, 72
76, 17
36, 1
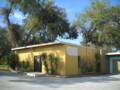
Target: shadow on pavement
7, 73
57, 82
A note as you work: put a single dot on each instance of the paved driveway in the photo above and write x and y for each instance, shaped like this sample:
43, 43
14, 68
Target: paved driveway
11, 81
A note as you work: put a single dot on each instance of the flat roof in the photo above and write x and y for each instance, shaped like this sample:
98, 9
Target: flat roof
113, 53
44, 44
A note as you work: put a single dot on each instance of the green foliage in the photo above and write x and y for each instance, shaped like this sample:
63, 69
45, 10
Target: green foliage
54, 63
4, 67
24, 66
43, 56
99, 24
12, 60
49, 22
44, 60
15, 35
56, 59
4, 60
44, 22
4, 46
52, 60
87, 67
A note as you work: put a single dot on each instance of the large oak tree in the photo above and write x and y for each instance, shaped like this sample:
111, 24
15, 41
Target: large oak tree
44, 22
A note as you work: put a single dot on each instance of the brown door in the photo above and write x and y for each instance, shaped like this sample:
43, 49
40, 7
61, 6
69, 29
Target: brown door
37, 64
116, 66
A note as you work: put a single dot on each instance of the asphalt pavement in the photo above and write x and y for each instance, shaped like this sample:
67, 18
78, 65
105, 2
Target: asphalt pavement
13, 81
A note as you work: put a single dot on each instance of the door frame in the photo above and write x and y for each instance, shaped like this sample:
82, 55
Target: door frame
39, 67
111, 63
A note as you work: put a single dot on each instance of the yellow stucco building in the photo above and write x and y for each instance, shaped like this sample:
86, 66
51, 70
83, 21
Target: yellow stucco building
73, 59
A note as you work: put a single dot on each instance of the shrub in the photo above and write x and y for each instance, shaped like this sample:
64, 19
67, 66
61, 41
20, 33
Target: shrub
3, 60
24, 66
12, 60
87, 67
44, 59
53, 63
52, 60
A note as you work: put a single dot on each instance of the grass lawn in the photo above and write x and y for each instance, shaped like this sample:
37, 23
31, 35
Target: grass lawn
4, 67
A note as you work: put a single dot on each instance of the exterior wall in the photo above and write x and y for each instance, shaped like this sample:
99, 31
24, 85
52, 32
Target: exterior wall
71, 60
116, 66
104, 64
68, 55
26, 55
113, 59
87, 58
57, 50
87, 55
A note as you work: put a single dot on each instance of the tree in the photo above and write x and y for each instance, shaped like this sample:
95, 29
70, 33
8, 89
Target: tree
4, 46
13, 31
113, 14
44, 22
97, 24
49, 23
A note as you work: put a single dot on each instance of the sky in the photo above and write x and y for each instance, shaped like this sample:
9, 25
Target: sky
72, 8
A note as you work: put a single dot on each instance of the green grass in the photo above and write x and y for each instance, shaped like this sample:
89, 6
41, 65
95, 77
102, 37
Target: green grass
4, 67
